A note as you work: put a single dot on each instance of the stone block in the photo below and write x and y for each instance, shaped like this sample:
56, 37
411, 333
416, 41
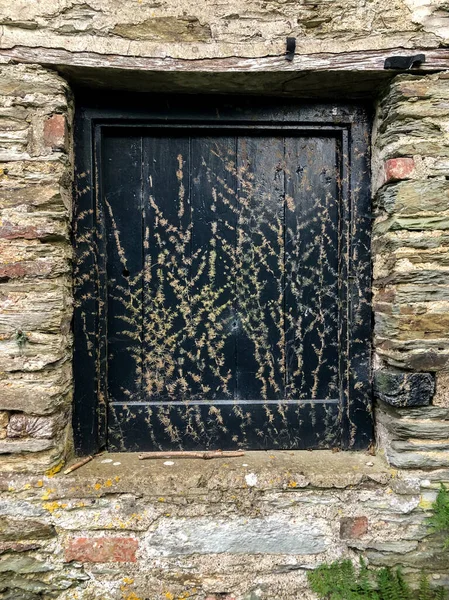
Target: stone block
403, 428
404, 388
22, 425
31, 259
414, 196
353, 527
34, 226
411, 223
40, 351
40, 195
9, 446
425, 327
418, 460
185, 28
17, 529
414, 356
124, 514
7, 547
13, 507
177, 537
39, 306
396, 169
4, 418
25, 81
39, 393
56, 132
102, 549
22, 564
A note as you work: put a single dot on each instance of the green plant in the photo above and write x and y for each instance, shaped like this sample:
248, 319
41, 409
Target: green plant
342, 581
439, 520
21, 338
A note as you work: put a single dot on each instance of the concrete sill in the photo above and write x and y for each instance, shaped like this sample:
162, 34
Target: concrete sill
278, 470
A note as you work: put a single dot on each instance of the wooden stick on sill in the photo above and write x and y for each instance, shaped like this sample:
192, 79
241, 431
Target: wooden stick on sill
188, 454
78, 465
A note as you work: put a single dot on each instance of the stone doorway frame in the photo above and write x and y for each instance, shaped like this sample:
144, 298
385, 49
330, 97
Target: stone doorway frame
403, 166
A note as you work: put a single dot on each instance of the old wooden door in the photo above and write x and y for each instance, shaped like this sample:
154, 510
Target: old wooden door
229, 276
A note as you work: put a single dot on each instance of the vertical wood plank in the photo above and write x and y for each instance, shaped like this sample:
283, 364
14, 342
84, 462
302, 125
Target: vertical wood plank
167, 249
88, 435
359, 415
260, 268
121, 188
214, 218
312, 250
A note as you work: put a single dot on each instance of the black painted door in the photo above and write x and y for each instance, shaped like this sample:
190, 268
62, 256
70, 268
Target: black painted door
226, 256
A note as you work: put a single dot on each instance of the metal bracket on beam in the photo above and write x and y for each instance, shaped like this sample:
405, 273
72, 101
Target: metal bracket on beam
404, 63
291, 47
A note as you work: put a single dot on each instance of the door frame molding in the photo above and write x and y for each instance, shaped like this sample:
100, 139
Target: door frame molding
350, 122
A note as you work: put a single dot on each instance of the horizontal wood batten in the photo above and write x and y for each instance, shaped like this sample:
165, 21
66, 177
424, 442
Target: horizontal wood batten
436, 59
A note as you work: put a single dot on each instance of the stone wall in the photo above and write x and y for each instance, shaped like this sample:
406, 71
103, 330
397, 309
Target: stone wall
35, 269
222, 29
411, 289
250, 528
411, 270
240, 529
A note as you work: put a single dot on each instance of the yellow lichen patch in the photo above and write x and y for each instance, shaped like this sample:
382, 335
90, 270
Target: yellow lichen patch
425, 503
292, 484
52, 472
53, 506
40, 483
169, 596
48, 492
161, 499
97, 486
128, 594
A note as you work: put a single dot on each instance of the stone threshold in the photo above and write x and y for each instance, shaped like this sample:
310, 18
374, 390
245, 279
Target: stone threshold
262, 470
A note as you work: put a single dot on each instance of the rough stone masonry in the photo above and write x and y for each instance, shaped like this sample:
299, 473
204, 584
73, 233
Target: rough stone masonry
246, 529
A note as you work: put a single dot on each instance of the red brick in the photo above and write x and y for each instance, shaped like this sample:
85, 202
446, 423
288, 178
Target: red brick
353, 527
55, 132
102, 549
398, 168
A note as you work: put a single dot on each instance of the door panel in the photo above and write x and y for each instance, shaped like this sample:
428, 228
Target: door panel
228, 260
222, 275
